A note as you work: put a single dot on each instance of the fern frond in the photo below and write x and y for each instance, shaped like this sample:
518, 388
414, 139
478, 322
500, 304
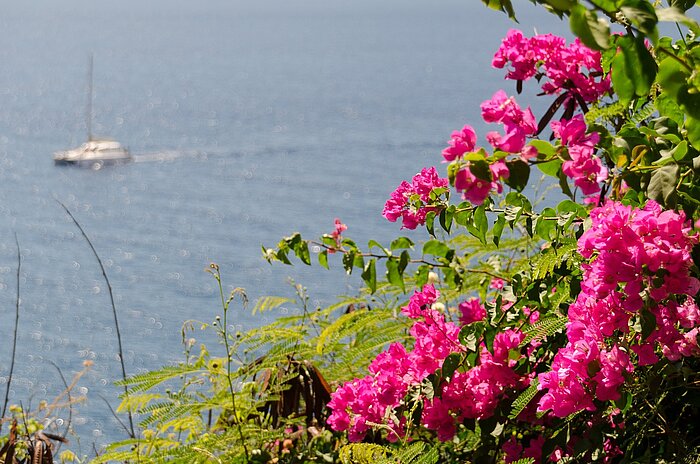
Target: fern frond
545, 262
362, 453
643, 114
523, 399
544, 328
146, 381
606, 113
270, 302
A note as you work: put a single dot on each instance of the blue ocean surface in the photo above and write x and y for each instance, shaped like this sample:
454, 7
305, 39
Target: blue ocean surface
249, 120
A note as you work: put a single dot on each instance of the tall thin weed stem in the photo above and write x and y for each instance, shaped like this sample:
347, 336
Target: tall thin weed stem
14, 337
132, 434
214, 270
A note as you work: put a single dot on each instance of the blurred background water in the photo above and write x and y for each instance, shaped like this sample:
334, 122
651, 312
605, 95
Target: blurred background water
249, 119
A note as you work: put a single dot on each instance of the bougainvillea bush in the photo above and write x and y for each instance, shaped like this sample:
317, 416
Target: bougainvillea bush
521, 330
583, 345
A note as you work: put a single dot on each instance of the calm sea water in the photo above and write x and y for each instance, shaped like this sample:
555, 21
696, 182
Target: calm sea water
250, 120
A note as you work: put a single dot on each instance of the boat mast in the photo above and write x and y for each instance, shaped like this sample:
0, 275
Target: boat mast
88, 115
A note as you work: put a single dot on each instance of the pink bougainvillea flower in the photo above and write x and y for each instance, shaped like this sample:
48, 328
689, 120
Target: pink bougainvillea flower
471, 311
463, 141
575, 68
475, 189
412, 202
583, 167
337, 234
627, 247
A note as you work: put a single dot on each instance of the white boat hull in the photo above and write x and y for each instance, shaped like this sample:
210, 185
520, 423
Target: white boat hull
94, 154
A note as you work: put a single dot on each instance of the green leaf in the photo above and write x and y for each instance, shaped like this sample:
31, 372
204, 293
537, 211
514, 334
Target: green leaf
393, 275
446, 216
348, 261
435, 248
633, 69
430, 222
323, 258
401, 242
692, 125
481, 170
470, 334
480, 226
672, 76
270, 302
451, 363
642, 15
648, 322
301, 249
551, 168
519, 174
564, 184
676, 154
663, 183
498, 228
403, 261
543, 226
593, 32
369, 275
544, 148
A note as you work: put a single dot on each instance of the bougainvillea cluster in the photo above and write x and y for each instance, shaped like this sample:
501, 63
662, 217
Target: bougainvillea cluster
412, 202
362, 402
473, 394
639, 271
583, 166
573, 68
636, 303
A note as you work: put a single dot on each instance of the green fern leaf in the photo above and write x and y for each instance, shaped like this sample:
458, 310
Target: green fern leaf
544, 328
523, 399
270, 302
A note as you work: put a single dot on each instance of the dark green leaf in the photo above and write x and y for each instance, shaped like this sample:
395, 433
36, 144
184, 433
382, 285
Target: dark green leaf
498, 228
369, 275
481, 224
663, 183
519, 174
633, 69
481, 170
593, 32
301, 249
403, 261
446, 216
451, 363
430, 222
348, 261
470, 335
393, 275
641, 14
648, 322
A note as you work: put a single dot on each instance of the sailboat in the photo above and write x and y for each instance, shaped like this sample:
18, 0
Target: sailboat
96, 152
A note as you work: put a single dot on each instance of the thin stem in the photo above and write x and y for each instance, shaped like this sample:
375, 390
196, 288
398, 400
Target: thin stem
114, 312
224, 329
14, 337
